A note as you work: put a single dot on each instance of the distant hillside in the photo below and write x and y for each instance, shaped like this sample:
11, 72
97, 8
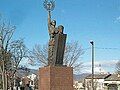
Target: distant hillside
21, 73
80, 76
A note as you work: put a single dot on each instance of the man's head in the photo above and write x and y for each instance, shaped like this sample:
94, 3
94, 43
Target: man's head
60, 29
53, 22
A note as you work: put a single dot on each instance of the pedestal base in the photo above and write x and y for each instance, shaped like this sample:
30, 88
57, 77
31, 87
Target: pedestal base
56, 78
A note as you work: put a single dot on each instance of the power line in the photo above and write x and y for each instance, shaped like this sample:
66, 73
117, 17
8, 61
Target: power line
103, 48
108, 48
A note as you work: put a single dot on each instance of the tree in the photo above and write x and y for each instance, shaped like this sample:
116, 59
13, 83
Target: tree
118, 67
11, 52
73, 52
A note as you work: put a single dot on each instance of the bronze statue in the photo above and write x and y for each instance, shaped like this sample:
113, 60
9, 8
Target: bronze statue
54, 33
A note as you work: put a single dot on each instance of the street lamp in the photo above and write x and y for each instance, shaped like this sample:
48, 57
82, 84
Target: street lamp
92, 51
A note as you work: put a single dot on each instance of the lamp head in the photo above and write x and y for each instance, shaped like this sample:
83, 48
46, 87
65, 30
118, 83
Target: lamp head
92, 42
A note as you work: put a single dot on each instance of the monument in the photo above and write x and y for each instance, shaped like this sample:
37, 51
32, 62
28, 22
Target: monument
57, 38
55, 76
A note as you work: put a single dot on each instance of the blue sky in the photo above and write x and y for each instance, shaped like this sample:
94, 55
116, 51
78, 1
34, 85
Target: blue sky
84, 20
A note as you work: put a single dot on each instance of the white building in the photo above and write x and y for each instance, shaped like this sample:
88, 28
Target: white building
113, 82
98, 81
78, 85
32, 77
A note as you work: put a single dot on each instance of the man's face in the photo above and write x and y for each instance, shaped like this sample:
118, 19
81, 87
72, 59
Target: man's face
53, 22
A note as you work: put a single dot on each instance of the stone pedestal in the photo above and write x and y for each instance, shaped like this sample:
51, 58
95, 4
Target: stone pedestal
56, 78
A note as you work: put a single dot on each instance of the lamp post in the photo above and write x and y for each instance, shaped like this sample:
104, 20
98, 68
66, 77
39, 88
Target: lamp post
92, 51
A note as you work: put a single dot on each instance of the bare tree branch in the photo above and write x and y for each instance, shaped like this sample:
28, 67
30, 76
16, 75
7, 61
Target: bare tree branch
10, 51
73, 52
118, 67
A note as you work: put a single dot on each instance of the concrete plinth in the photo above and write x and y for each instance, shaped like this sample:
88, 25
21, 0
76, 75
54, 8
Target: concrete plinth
56, 78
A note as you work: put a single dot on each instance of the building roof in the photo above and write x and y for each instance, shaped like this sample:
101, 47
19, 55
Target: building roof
98, 76
113, 77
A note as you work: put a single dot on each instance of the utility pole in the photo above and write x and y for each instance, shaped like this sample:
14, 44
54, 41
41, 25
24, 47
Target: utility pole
92, 51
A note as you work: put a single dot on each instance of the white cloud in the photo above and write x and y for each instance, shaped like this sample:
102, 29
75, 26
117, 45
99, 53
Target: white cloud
96, 70
107, 63
62, 11
100, 66
117, 19
102, 62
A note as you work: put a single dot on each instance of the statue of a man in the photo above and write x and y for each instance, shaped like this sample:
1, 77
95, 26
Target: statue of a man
60, 29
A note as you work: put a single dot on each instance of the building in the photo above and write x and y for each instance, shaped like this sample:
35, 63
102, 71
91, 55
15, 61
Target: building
78, 85
78, 82
32, 77
98, 81
112, 82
